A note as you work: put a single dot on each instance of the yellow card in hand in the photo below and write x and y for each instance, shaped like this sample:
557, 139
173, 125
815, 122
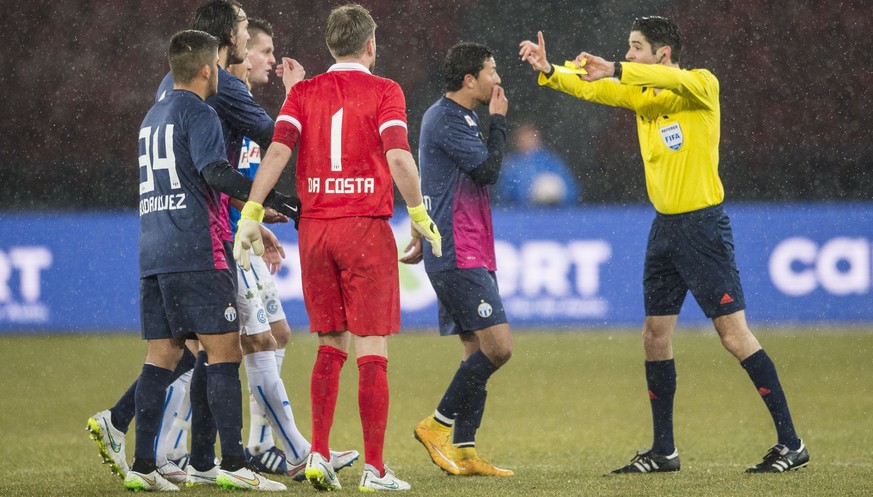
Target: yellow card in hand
570, 67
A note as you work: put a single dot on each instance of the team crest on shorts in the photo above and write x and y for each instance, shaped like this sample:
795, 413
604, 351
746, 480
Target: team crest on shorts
262, 316
272, 306
484, 309
672, 135
230, 313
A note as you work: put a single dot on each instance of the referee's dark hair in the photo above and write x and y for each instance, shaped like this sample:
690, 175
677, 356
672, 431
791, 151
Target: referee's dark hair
660, 32
189, 51
464, 59
218, 18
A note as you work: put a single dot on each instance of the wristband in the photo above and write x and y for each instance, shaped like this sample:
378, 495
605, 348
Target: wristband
253, 210
551, 71
617, 74
418, 214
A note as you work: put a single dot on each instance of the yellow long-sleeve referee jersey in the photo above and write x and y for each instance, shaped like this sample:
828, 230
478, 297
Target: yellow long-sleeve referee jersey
678, 128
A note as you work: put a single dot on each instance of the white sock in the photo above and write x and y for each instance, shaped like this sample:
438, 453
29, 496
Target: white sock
280, 358
260, 432
177, 396
177, 438
269, 392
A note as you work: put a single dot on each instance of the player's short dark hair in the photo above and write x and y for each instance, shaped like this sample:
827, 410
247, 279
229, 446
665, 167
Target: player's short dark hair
348, 29
660, 32
218, 18
463, 59
189, 51
258, 25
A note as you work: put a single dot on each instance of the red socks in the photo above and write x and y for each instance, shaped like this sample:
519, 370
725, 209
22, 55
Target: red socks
372, 401
373, 405
323, 392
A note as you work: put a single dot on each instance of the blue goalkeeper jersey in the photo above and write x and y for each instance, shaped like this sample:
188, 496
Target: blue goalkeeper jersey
180, 214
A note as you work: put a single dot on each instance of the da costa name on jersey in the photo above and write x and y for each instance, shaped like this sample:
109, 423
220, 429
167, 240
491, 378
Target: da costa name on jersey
342, 185
162, 203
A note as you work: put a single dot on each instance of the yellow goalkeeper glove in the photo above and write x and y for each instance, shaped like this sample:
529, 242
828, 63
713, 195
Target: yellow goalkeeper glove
424, 226
248, 234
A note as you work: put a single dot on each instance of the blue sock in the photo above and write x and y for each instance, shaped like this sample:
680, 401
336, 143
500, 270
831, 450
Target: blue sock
125, 409
151, 388
202, 424
186, 363
470, 417
460, 396
448, 406
661, 382
762, 371
225, 401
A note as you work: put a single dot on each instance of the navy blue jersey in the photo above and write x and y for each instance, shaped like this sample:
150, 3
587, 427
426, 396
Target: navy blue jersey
450, 148
180, 214
240, 115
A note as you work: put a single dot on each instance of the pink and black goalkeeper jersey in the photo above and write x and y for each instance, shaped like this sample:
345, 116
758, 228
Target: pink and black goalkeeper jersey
346, 120
450, 147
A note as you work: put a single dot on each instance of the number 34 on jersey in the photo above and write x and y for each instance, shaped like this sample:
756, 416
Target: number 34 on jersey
152, 162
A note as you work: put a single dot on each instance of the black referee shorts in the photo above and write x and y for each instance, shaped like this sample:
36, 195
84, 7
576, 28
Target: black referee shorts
692, 251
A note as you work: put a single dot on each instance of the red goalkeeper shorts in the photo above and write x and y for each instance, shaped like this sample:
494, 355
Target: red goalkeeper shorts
350, 278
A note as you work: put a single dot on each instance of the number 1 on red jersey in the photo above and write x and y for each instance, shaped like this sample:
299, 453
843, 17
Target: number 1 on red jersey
336, 141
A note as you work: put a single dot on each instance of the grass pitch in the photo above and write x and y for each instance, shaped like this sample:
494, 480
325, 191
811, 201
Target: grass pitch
564, 411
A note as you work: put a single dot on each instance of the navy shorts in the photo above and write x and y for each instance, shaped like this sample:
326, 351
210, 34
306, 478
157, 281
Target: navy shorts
231, 263
180, 305
692, 251
468, 300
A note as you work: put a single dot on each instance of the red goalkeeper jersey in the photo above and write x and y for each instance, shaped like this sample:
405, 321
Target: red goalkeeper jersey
345, 120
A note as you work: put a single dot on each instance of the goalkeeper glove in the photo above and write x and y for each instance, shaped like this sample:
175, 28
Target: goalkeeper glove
288, 205
425, 227
248, 234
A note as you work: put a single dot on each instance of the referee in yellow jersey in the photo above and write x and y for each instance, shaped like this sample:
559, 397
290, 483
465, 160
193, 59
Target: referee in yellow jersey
690, 245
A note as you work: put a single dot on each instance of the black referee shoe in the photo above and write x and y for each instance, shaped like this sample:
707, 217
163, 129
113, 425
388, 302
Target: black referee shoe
780, 459
647, 461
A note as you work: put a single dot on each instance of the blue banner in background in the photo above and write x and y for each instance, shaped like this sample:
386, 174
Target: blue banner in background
557, 268
69, 272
